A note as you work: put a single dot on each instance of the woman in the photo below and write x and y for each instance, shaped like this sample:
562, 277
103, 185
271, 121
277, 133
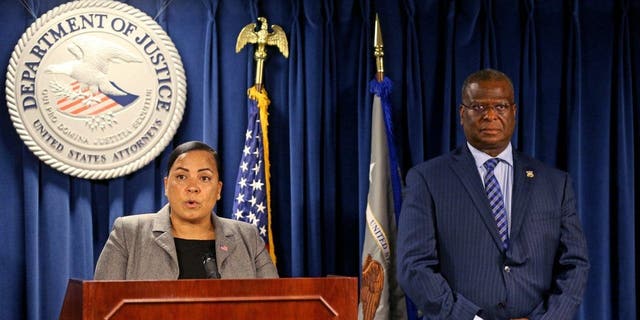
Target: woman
185, 239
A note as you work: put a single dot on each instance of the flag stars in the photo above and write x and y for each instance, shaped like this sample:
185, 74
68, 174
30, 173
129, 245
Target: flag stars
253, 200
244, 166
252, 218
246, 151
256, 168
243, 182
257, 185
248, 134
240, 198
260, 207
263, 231
238, 214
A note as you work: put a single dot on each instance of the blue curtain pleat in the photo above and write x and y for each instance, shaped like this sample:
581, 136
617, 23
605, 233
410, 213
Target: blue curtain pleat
634, 29
14, 234
541, 104
363, 109
31, 249
527, 101
574, 65
593, 170
211, 88
13, 231
81, 246
301, 90
338, 115
291, 258
416, 116
623, 169
319, 121
317, 73
450, 97
489, 52
52, 246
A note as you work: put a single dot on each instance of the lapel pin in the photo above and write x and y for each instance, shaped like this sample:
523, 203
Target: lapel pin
224, 248
530, 174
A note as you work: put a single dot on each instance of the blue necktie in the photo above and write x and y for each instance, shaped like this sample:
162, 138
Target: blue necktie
496, 201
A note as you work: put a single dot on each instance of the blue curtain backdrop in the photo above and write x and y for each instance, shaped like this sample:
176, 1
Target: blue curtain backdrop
575, 66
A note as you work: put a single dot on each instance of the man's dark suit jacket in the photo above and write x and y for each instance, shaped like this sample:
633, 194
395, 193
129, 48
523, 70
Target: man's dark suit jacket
450, 258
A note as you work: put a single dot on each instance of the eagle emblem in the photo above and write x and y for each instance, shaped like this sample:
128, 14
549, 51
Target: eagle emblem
90, 92
263, 38
371, 287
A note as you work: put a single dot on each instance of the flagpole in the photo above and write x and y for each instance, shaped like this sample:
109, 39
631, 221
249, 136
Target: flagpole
378, 51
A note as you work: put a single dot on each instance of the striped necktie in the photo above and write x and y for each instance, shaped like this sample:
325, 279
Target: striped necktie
496, 201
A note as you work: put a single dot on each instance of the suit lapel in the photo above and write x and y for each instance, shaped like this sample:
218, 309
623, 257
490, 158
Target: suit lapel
523, 180
163, 237
465, 168
225, 243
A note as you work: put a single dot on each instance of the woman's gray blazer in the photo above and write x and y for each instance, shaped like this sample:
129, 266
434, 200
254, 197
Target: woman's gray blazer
141, 247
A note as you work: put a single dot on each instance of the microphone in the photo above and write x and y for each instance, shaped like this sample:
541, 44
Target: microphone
210, 267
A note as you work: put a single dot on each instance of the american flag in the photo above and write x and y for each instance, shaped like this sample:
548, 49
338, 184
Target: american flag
252, 197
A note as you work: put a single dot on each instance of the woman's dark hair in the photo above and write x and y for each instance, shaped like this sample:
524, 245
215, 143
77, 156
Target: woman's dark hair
191, 146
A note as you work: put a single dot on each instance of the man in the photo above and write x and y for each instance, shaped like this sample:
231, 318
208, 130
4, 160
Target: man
500, 240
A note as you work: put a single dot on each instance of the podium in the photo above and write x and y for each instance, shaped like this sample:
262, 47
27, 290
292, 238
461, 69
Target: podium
282, 299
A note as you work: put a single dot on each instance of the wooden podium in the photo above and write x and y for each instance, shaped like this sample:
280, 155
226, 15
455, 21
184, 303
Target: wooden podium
285, 298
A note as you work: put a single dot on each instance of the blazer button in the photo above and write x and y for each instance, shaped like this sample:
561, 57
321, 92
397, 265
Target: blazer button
507, 269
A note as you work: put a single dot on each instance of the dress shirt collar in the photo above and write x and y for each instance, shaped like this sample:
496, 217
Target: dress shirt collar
480, 157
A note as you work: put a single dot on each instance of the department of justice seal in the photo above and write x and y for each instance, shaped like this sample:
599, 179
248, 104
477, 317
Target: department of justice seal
95, 89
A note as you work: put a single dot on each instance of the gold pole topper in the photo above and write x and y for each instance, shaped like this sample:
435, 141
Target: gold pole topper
263, 38
378, 52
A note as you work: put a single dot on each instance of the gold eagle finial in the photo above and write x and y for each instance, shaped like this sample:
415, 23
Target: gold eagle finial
262, 38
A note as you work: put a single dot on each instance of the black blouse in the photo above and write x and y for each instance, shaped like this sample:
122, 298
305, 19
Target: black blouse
191, 256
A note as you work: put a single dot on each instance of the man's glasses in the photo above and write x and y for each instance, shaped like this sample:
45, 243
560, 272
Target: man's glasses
499, 108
